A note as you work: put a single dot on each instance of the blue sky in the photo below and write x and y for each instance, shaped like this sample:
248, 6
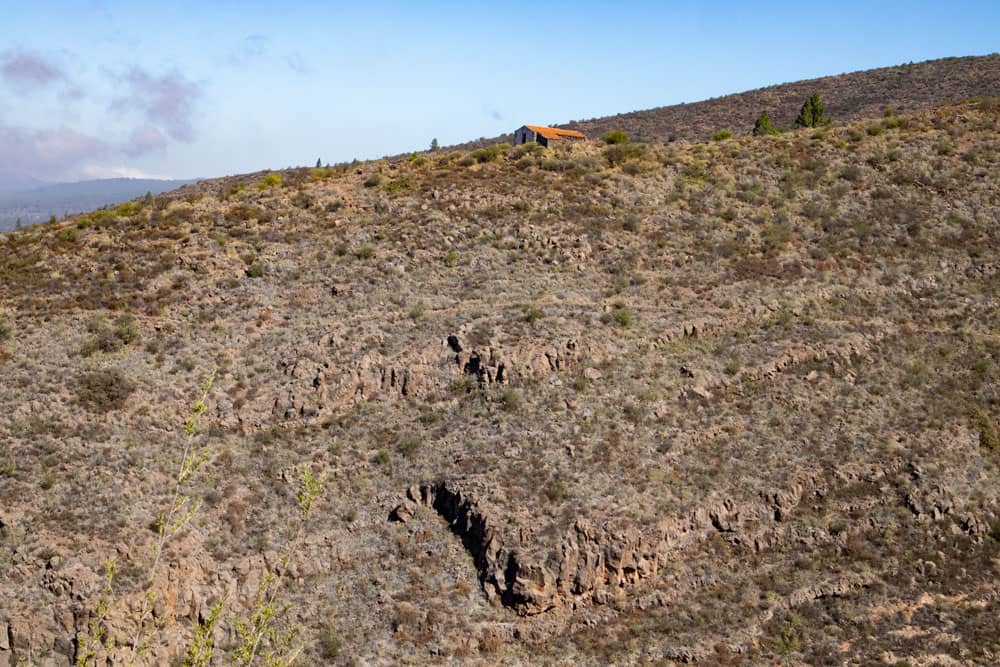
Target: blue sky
93, 88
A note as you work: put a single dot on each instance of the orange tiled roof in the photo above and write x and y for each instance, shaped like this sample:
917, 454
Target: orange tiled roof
554, 132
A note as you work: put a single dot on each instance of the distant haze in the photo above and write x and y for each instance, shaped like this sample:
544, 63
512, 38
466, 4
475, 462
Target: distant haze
41, 203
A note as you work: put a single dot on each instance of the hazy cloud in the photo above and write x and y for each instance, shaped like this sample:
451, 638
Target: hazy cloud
48, 154
251, 48
145, 139
296, 63
28, 70
166, 101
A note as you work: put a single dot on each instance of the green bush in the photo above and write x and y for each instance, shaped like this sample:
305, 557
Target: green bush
255, 270
615, 137
722, 135
620, 315
272, 180
812, 113
776, 235
490, 153
365, 252
529, 148
620, 153
409, 445
399, 186
107, 337
103, 390
6, 328
373, 181
762, 127
555, 491
532, 314
511, 399
989, 437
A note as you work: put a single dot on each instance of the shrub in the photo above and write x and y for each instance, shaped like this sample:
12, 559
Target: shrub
615, 137
532, 314
722, 135
812, 113
272, 180
511, 399
381, 457
556, 164
429, 418
365, 252
989, 437
372, 181
399, 186
329, 640
620, 153
776, 235
490, 153
103, 390
763, 125
255, 270
107, 337
409, 445
451, 259
6, 328
555, 491
620, 315
633, 222
529, 148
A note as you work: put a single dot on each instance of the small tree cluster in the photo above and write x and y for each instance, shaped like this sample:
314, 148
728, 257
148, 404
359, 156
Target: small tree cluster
813, 113
763, 127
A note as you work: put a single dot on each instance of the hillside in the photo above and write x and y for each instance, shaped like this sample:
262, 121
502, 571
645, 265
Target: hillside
732, 402
39, 203
849, 97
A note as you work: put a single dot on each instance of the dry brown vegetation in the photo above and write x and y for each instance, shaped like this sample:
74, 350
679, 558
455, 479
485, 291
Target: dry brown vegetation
734, 402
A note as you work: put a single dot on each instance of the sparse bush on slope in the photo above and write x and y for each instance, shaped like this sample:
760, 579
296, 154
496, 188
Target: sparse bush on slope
813, 113
763, 126
615, 137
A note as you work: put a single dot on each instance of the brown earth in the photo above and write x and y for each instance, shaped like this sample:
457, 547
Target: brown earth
732, 402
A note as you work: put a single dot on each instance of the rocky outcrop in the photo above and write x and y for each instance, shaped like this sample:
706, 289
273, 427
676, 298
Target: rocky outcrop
595, 559
317, 383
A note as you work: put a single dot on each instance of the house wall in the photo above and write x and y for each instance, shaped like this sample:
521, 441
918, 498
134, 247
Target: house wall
523, 135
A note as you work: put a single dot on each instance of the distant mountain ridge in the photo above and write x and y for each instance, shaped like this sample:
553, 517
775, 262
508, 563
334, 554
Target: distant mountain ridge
20, 183
38, 204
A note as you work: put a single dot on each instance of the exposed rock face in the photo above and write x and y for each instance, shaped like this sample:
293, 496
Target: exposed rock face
315, 388
593, 559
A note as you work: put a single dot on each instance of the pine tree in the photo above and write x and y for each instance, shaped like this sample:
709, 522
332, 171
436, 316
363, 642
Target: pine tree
17, 225
812, 113
319, 163
434, 144
763, 125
